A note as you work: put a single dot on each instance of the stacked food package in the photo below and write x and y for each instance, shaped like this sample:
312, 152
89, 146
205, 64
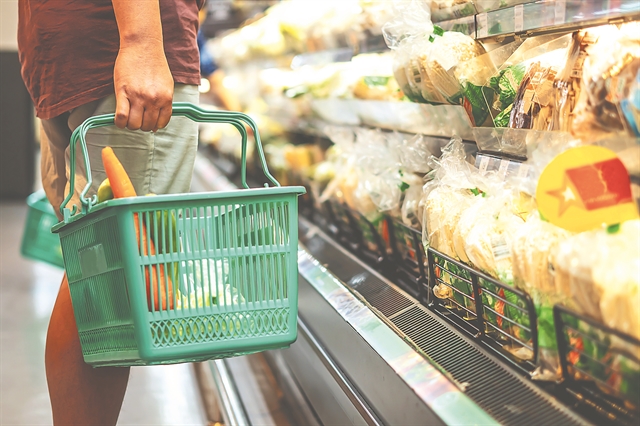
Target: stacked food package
490, 246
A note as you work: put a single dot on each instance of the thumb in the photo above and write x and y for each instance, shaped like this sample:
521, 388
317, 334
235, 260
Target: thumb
122, 110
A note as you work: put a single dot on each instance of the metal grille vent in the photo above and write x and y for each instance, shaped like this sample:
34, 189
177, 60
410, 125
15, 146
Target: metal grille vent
378, 294
508, 400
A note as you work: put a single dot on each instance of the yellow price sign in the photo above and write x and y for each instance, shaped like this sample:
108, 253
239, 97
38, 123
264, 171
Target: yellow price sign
584, 188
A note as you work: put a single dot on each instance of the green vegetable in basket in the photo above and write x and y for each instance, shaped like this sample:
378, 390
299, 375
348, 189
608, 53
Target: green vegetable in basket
104, 191
164, 234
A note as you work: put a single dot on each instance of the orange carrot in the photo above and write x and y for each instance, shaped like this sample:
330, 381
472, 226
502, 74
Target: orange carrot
122, 187
118, 178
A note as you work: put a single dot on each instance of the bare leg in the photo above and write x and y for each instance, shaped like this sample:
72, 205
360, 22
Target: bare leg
80, 394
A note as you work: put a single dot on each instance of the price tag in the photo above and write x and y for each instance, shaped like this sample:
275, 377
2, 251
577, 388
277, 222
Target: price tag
560, 12
504, 167
518, 18
484, 163
523, 170
482, 26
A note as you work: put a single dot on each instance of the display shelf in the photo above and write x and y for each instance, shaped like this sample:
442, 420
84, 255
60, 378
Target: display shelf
407, 117
498, 318
454, 12
343, 54
595, 356
500, 315
554, 16
367, 43
465, 25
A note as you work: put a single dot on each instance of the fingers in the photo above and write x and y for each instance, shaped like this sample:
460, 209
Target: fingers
164, 117
122, 110
136, 114
149, 119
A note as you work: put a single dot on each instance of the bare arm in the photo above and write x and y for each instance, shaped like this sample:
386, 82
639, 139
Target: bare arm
143, 81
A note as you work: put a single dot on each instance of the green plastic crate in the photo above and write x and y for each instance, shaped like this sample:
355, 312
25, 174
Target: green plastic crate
38, 242
225, 265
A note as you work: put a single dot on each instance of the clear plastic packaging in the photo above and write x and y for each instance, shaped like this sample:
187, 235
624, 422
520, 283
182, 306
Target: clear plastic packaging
599, 272
448, 54
407, 34
506, 82
400, 73
610, 75
447, 195
533, 248
488, 240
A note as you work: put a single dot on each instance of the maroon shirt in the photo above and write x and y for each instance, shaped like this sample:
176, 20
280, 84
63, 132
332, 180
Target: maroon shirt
68, 49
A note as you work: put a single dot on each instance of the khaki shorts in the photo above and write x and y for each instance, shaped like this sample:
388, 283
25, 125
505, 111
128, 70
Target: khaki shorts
159, 163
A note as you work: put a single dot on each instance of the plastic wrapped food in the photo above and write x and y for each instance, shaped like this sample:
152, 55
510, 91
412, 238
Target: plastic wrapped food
616, 274
447, 195
407, 34
598, 278
488, 242
447, 52
377, 88
573, 272
206, 284
419, 81
569, 79
401, 74
506, 82
534, 103
506, 85
600, 271
533, 249
412, 205
375, 78
428, 90
610, 74
444, 207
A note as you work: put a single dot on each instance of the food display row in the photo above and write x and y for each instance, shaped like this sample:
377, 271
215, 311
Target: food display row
497, 181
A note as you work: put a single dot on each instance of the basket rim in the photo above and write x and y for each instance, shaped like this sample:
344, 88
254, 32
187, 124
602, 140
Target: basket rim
195, 196
38, 200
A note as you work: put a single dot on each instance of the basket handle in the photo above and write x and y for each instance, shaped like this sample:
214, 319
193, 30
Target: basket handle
180, 109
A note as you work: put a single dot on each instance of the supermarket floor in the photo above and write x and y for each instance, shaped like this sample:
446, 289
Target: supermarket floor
165, 395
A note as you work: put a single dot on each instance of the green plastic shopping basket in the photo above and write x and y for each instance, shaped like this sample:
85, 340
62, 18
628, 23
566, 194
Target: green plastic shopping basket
38, 242
214, 274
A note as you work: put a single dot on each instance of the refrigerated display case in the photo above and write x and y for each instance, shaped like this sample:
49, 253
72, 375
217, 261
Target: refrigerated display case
456, 302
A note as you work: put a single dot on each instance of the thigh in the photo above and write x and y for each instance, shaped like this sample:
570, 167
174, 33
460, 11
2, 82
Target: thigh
54, 139
174, 150
159, 163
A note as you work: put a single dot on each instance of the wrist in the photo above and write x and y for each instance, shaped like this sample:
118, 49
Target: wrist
142, 41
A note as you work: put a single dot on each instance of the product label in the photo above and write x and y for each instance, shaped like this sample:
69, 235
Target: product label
504, 168
483, 26
518, 18
500, 248
585, 188
484, 163
560, 12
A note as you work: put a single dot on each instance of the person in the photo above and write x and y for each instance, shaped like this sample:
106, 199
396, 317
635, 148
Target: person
89, 57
